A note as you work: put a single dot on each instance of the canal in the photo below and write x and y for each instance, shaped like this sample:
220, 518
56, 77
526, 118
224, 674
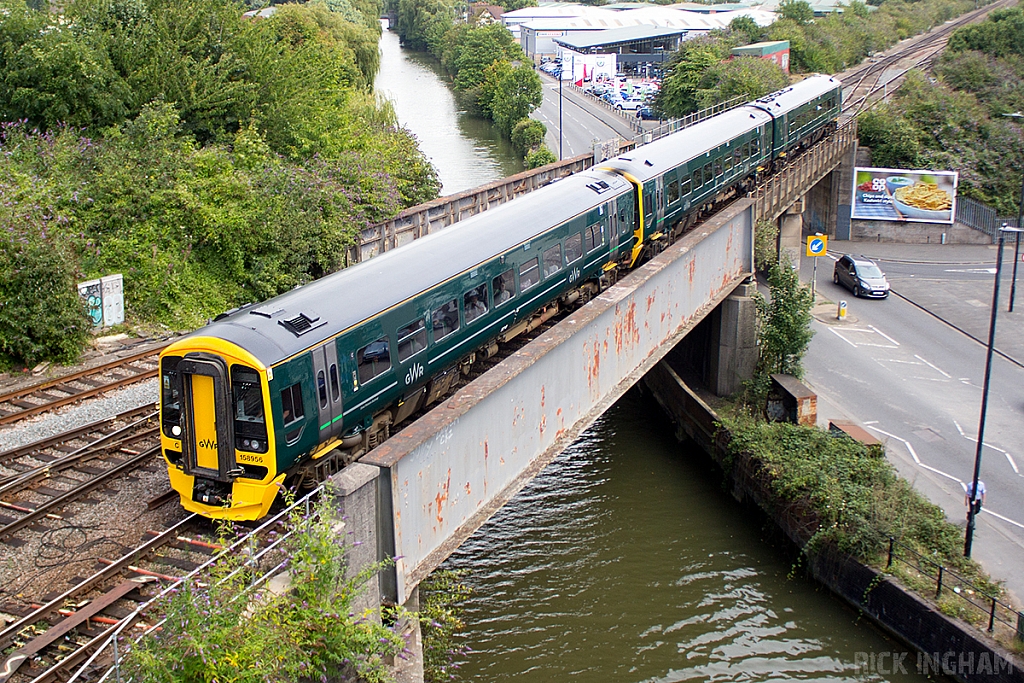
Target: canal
625, 559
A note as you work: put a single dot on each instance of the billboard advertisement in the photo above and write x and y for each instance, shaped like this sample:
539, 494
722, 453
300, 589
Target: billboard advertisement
887, 194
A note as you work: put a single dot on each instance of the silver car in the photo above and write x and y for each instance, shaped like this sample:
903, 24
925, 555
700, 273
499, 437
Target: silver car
861, 276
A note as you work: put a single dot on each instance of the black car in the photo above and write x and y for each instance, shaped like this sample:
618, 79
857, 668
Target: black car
861, 276
646, 112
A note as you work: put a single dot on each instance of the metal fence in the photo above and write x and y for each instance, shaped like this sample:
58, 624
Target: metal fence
949, 583
108, 649
979, 216
674, 125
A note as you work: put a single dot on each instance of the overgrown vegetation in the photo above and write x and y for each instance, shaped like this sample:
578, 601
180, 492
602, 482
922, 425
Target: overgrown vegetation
853, 499
224, 632
956, 122
211, 159
490, 73
697, 77
783, 327
441, 597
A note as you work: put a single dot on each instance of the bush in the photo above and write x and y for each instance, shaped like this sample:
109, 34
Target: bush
527, 135
540, 157
309, 633
784, 327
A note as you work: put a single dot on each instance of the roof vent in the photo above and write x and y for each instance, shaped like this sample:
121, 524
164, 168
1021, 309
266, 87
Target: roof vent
599, 186
300, 324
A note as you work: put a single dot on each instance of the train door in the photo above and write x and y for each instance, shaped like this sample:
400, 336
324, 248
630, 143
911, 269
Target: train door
327, 379
208, 444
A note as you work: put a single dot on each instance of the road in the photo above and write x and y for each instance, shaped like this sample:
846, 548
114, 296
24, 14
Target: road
916, 383
583, 121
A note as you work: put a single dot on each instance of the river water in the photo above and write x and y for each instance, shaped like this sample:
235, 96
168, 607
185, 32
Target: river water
466, 150
625, 559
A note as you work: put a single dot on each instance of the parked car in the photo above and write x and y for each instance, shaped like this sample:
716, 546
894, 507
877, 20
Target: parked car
861, 276
597, 89
647, 112
550, 67
630, 104
612, 97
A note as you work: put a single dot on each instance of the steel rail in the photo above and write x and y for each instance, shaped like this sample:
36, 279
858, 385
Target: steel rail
44, 509
13, 400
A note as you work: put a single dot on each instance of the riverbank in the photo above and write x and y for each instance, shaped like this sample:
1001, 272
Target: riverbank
944, 646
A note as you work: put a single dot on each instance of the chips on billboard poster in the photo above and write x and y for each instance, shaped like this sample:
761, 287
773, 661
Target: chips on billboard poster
887, 194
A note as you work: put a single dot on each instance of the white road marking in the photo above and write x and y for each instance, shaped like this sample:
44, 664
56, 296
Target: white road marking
986, 271
1009, 458
871, 422
933, 367
836, 332
884, 335
938, 471
896, 360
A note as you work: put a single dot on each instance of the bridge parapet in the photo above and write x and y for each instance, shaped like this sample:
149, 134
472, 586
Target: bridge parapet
774, 196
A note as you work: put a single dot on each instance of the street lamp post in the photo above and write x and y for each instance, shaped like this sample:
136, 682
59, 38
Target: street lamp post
969, 537
1020, 224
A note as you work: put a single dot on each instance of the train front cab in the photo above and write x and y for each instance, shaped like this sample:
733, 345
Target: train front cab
214, 431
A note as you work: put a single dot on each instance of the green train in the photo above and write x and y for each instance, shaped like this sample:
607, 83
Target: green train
293, 389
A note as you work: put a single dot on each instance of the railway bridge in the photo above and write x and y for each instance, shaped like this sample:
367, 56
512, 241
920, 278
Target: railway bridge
419, 495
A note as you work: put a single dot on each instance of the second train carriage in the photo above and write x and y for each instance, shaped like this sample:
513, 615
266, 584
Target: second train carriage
300, 385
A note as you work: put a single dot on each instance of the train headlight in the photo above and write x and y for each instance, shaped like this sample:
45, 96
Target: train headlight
176, 430
255, 445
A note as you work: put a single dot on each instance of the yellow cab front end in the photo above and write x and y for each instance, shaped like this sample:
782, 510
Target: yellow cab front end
216, 433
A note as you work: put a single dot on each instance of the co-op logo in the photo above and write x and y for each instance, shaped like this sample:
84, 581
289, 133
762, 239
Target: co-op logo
415, 373
208, 443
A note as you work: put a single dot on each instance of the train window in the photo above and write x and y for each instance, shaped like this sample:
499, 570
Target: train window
592, 237
247, 400
335, 385
755, 147
673, 191
504, 287
291, 404
697, 182
321, 388
707, 173
573, 247
728, 162
475, 301
445, 319
746, 150
170, 398
412, 339
552, 260
373, 360
685, 189
737, 156
718, 166
529, 274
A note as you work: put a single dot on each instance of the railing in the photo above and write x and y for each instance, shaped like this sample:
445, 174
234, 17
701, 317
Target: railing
675, 125
122, 635
781, 190
979, 216
948, 583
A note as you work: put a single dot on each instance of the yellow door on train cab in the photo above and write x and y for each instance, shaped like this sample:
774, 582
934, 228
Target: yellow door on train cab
204, 422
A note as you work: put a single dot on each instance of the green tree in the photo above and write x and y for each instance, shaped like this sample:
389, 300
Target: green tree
797, 10
999, 35
542, 156
892, 138
420, 23
509, 93
746, 30
748, 77
528, 134
685, 72
784, 325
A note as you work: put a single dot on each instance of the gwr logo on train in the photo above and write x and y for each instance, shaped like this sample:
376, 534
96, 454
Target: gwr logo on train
415, 372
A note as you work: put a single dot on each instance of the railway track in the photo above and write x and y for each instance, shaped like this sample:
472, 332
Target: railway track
50, 640
43, 478
45, 396
870, 83
73, 635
